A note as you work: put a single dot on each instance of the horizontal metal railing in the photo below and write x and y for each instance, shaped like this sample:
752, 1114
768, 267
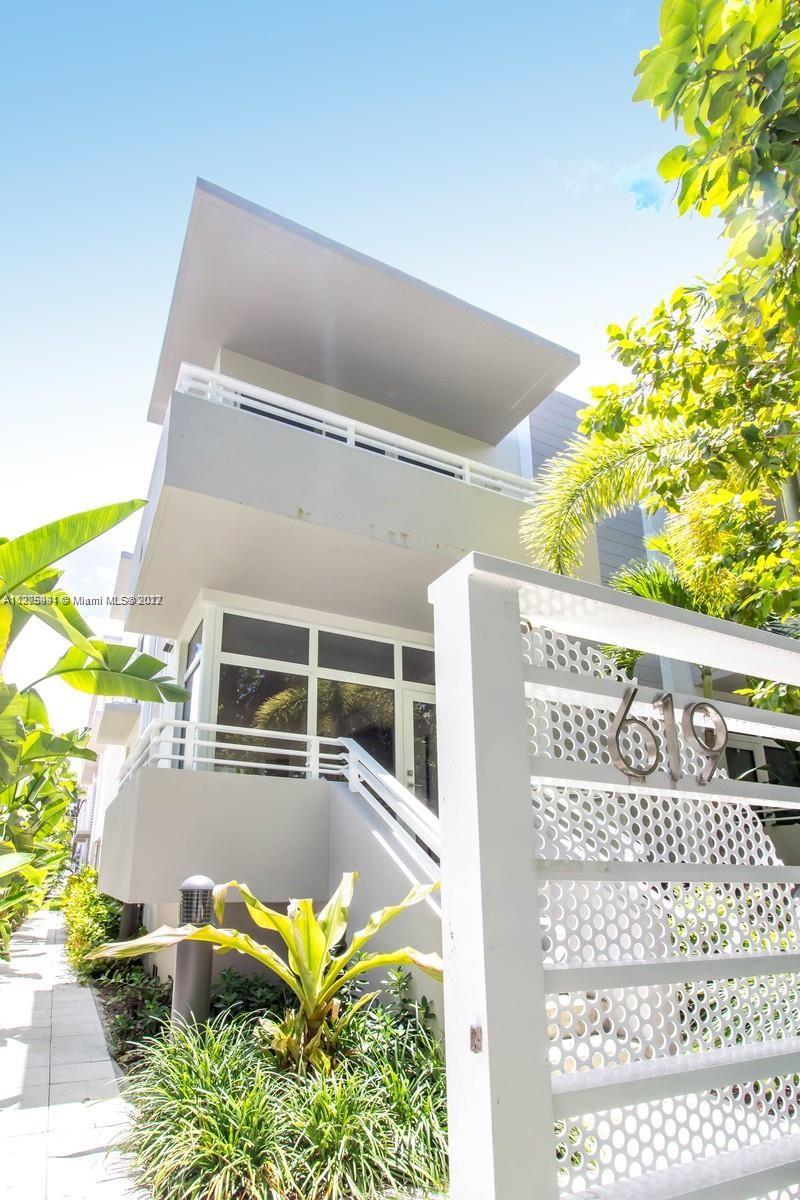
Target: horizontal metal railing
222, 389
202, 746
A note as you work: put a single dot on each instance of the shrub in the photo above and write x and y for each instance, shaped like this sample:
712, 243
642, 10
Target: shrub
91, 919
135, 1006
216, 1117
235, 994
209, 1117
319, 966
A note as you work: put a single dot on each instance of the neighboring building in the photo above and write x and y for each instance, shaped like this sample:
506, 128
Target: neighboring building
335, 435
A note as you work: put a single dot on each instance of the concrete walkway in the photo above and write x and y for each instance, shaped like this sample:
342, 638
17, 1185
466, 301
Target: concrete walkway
60, 1105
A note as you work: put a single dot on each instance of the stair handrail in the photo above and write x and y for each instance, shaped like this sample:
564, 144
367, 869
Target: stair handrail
365, 774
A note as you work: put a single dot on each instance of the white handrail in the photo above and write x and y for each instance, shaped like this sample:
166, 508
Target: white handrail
223, 389
177, 744
366, 776
171, 742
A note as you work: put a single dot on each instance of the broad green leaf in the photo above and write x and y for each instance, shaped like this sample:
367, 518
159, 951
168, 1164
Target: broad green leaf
42, 745
376, 922
64, 619
6, 617
34, 710
32, 552
431, 964
260, 914
335, 915
222, 939
671, 166
88, 673
11, 863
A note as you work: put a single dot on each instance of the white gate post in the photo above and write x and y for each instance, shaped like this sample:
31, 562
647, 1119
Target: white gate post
498, 1077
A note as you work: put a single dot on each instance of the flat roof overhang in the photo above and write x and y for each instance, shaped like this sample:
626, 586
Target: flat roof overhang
253, 282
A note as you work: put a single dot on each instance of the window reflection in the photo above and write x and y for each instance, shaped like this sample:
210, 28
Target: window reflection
253, 698
358, 711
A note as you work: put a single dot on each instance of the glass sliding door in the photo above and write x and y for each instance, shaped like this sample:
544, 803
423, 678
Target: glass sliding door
419, 723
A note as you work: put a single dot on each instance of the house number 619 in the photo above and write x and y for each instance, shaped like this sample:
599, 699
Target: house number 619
709, 737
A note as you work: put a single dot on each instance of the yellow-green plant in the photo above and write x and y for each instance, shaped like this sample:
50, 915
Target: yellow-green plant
38, 792
313, 969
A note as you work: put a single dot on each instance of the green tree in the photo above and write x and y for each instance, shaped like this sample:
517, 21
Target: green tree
708, 425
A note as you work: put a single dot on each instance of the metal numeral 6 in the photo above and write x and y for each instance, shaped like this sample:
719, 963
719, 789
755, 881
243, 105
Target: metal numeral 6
615, 749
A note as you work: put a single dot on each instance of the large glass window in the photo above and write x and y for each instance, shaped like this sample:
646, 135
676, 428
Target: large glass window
264, 639
418, 665
193, 647
253, 698
358, 711
360, 656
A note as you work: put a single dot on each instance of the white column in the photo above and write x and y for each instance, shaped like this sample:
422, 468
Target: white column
498, 1077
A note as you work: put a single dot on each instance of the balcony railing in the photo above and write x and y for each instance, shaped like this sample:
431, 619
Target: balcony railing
221, 389
201, 746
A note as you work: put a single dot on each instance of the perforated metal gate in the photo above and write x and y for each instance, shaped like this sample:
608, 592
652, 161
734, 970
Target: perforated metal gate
662, 952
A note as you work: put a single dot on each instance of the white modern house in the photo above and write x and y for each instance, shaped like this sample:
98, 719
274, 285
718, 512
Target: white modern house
330, 550
336, 434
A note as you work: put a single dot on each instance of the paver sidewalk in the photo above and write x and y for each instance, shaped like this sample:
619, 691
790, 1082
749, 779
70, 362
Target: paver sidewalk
60, 1104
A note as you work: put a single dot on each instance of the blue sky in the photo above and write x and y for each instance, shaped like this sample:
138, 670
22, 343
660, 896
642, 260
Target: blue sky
492, 150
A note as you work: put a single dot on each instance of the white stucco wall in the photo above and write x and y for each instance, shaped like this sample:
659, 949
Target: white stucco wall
165, 825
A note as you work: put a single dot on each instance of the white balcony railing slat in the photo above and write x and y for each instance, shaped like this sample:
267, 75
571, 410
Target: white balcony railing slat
234, 393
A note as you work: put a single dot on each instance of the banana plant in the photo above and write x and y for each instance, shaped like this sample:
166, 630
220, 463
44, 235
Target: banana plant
316, 967
37, 789
36, 824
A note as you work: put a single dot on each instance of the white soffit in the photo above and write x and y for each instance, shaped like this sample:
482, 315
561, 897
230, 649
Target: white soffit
253, 282
600, 614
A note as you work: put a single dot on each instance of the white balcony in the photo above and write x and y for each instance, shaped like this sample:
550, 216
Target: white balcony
285, 812
234, 393
262, 495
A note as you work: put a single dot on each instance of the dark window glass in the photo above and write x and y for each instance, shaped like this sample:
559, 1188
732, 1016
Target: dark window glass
340, 652
255, 699
741, 763
783, 764
418, 665
264, 639
426, 777
358, 711
193, 648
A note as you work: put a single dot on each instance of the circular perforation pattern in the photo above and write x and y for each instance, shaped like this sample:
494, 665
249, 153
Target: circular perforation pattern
602, 1148
593, 825
583, 922
544, 648
625, 922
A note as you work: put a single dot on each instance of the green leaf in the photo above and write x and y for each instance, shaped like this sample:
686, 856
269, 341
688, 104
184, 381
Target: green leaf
24, 556
63, 618
672, 165
11, 863
721, 100
121, 677
657, 73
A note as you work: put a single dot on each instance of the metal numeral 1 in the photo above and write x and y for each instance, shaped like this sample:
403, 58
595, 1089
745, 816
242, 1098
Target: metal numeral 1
615, 749
665, 703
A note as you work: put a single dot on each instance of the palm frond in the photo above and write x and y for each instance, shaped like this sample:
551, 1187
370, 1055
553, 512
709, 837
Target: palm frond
592, 479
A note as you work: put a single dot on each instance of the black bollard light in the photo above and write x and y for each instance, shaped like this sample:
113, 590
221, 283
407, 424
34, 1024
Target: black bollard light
191, 991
